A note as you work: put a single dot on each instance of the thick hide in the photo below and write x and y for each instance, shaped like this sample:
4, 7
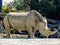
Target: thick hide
30, 21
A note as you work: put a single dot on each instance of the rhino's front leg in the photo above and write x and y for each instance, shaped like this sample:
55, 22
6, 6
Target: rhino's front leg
33, 31
30, 31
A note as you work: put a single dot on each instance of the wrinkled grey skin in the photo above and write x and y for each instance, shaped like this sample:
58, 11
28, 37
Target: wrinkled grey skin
30, 21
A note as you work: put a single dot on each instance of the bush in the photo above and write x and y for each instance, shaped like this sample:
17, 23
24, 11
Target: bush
7, 9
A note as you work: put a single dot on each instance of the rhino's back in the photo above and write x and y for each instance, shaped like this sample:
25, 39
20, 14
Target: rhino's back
19, 22
18, 13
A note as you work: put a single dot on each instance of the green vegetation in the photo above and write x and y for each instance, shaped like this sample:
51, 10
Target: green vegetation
48, 8
7, 9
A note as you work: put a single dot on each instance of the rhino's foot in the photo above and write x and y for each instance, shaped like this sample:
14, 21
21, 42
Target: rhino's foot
33, 37
8, 37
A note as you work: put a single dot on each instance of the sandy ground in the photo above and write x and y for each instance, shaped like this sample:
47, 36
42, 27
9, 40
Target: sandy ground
20, 40
13, 36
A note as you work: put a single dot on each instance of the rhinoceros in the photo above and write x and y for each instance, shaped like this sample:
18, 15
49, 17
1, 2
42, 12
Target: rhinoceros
29, 21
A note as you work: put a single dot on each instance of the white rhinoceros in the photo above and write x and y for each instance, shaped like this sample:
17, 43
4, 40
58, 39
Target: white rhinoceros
30, 21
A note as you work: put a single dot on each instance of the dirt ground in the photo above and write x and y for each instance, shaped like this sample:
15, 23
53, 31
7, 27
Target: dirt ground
14, 36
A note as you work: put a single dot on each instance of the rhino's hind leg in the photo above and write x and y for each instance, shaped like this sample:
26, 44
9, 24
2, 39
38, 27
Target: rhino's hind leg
8, 34
7, 26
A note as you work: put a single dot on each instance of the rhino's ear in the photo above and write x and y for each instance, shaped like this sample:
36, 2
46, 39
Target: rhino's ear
33, 11
44, 17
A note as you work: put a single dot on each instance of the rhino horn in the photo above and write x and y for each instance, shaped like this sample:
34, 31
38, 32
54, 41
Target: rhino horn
51, 33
